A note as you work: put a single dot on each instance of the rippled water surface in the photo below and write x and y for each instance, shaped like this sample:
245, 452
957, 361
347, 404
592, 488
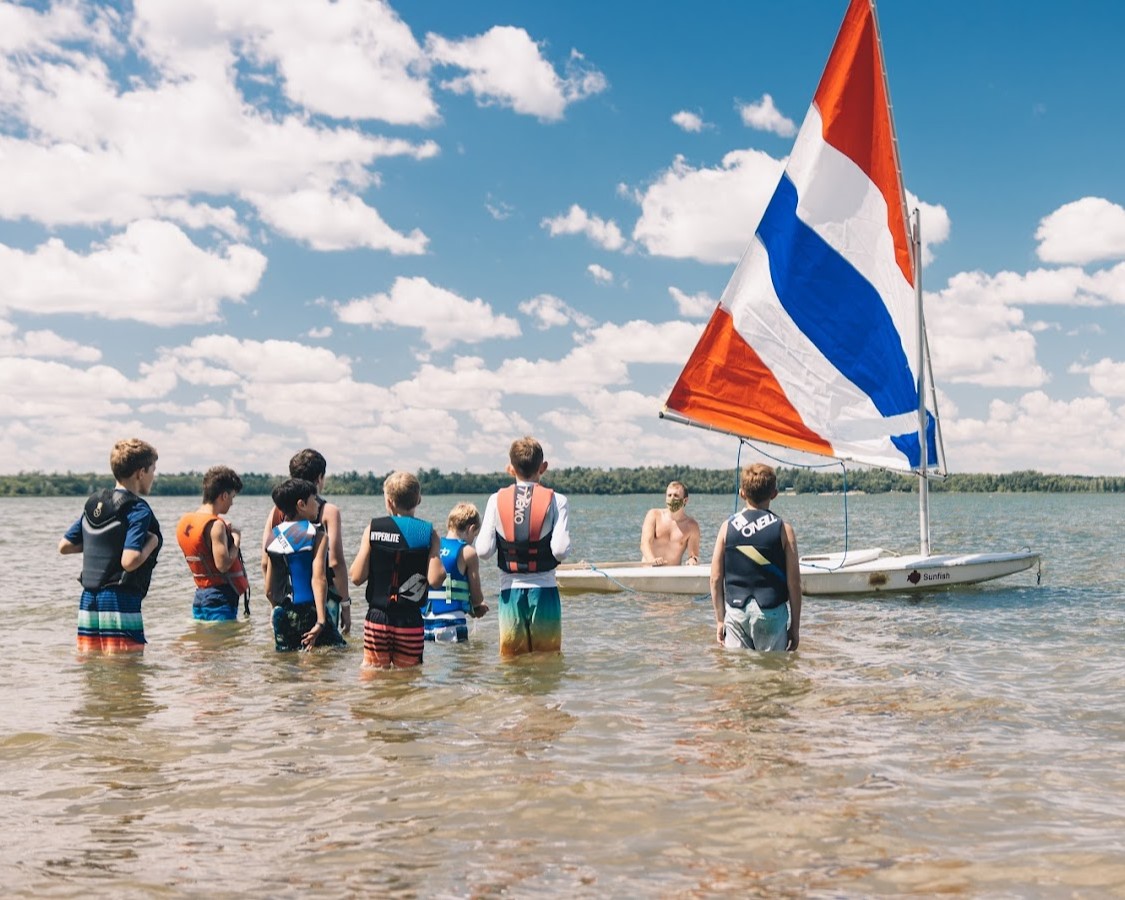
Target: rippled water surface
968, 743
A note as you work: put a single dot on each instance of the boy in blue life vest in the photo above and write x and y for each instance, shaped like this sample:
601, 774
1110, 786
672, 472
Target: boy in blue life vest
297, 571
527, 527
399, 560
461, 595
119, 539
755, 571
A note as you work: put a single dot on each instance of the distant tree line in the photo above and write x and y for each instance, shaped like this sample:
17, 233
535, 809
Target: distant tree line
646, 480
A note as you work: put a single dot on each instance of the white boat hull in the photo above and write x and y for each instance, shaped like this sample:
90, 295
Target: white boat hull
861, 572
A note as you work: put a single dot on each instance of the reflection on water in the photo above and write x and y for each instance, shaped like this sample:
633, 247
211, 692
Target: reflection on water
965, 744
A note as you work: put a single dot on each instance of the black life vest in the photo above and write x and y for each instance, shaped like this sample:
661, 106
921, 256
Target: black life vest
754, 560
104, 527
396, 570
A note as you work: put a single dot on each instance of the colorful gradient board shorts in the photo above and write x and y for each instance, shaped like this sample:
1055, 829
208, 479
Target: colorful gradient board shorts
110, 622
393, 636
530, 621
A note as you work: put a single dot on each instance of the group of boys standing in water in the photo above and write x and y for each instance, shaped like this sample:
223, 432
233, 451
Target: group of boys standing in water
418, 585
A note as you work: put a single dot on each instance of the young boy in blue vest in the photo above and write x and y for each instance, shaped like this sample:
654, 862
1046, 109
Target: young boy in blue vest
461, 595
297, 571
527, 526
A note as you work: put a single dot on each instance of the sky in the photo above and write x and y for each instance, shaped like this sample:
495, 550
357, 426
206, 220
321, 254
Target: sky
407, 234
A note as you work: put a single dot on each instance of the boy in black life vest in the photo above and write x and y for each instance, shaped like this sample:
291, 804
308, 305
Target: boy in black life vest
211, 546
119, 539
296, 571
527, 526
399, 559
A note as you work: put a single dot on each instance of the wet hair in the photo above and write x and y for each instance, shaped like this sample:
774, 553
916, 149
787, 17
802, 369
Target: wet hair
307, 464
289, 493
217, 481
680, 485
130, 456
758, 483
403, 490
463, 516
526, 456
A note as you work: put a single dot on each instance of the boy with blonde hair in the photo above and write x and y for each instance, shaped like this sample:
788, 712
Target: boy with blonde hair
444, 615
527, 526
399, 559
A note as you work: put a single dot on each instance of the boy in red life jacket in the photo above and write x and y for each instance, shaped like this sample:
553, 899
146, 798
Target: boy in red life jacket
527, 526
211, 546
399, 559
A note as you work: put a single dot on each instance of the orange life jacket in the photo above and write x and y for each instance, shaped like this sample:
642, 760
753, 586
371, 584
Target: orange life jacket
521, 544
194, 538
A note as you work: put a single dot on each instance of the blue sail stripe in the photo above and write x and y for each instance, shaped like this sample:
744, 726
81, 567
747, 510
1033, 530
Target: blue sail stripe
839, 311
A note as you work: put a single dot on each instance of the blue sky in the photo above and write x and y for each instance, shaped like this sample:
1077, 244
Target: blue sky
406, 234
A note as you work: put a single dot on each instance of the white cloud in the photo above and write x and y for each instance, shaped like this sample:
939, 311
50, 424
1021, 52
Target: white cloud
1107, 377
320, 333
549, 312
707, 214
265, 362
577, 221
44, 344
443, 317
1085, 231
694, 306
505, 66
600, 274
1084, 436
151, 273
935, 225
336, 222
689, 121
40, 389
764, 116
498, 209
446, 387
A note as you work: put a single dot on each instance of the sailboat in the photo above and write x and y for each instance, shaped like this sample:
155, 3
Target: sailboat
818, 344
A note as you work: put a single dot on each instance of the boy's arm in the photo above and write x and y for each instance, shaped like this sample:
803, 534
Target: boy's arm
486, 541
793, 577
718, 591
320, 590
560, 535
436, 573
219, 552
270, 592
267, 535
333, 524
358, 571
140, 542
470, 565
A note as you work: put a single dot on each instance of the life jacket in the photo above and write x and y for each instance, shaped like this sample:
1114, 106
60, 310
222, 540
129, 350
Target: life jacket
292, 548
194, 537
453, 596
754, 560
105, 525
399, 561
521, 545
278, 517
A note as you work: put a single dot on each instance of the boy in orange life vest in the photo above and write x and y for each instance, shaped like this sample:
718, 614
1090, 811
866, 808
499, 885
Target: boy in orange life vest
211, 547
527, 525
399, 559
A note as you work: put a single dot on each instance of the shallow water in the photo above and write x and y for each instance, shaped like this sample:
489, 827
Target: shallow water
967, 743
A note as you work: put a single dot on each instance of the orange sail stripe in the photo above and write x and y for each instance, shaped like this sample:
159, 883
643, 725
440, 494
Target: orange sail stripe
726, 385
855, 112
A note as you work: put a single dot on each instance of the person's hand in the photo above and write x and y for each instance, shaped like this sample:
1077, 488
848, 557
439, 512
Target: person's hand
794, 639
477, 611
310, 636
693, 560
720, 632
658, 561
345, 617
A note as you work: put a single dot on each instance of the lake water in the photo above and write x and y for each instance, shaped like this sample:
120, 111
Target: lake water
966, 743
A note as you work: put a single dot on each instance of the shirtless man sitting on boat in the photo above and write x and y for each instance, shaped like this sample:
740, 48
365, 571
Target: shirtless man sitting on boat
668, 533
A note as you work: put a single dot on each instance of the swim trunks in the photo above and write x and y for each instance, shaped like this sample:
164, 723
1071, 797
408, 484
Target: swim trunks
393, 636
291, 621
530, 620
110, 621
757, 628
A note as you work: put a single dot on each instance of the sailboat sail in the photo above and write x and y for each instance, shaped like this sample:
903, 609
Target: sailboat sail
815, 343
